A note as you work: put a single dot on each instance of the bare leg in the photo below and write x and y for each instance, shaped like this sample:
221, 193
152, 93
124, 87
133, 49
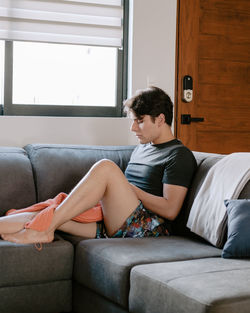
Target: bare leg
13, 223
87, 230
106, 182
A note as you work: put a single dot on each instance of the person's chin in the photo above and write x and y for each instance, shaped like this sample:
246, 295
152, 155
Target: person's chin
142, 140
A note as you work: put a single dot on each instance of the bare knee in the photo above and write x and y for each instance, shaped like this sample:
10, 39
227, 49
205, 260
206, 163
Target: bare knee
107, 170
106, 162
107, 165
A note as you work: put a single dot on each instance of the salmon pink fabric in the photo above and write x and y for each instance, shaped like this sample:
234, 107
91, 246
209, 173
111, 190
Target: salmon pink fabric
43, 219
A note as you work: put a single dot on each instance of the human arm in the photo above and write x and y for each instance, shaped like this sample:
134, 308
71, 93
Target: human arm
167, 206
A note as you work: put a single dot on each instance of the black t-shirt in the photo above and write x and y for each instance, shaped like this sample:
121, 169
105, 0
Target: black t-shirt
151, 166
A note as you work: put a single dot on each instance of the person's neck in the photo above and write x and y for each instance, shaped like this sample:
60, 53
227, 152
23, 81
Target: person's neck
165, 136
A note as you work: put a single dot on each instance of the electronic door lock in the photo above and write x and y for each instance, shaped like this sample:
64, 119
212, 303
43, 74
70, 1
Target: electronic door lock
187, 95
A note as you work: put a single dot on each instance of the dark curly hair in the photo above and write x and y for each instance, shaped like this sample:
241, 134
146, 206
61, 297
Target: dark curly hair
150, 101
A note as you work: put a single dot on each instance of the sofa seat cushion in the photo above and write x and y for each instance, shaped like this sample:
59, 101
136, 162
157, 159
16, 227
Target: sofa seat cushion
206, 285
104, 265
23, 264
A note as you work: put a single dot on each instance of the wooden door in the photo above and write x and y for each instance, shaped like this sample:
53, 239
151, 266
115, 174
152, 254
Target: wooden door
213, 47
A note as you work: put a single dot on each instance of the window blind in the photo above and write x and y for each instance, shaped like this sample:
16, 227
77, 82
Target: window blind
90, 22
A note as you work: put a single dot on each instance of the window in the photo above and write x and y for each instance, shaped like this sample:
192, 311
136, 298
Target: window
68, 75
1, 71
56, 75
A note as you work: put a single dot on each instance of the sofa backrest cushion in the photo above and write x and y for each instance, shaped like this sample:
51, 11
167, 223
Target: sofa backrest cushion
58, 168
245, 193
16, 179
204, 161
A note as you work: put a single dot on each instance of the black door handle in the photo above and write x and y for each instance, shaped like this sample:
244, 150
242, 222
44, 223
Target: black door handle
187, 119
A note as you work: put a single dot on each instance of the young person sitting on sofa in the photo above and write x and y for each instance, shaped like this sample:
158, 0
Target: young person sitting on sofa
143, 201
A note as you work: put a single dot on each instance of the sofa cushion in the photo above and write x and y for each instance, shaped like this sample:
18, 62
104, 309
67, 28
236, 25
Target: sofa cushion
206, 285
104, 265
58, 168
23, 264
16, 179
238, 243
54, 296
245, 193
204, 161
93, 302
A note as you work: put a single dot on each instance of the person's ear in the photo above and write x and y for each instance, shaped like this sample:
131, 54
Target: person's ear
161, 119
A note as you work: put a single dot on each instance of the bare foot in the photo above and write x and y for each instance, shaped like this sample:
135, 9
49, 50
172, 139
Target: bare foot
29, 236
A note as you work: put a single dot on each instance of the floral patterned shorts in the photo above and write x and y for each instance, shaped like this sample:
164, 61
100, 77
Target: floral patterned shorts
141, 223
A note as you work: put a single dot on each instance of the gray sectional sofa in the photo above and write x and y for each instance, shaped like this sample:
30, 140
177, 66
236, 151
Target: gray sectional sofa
177, 274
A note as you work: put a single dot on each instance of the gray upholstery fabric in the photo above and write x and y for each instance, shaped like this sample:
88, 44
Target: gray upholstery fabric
202, 170
87, 301
213, 285
59, 168
24, 265
16, 179
245, 193
204, 161
104, 265
49, 297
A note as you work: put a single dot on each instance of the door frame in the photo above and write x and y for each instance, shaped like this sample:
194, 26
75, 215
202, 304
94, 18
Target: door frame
186, 42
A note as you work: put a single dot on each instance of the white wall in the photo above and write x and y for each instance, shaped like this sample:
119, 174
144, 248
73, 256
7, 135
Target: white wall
19, 131
152, 59
151, 62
